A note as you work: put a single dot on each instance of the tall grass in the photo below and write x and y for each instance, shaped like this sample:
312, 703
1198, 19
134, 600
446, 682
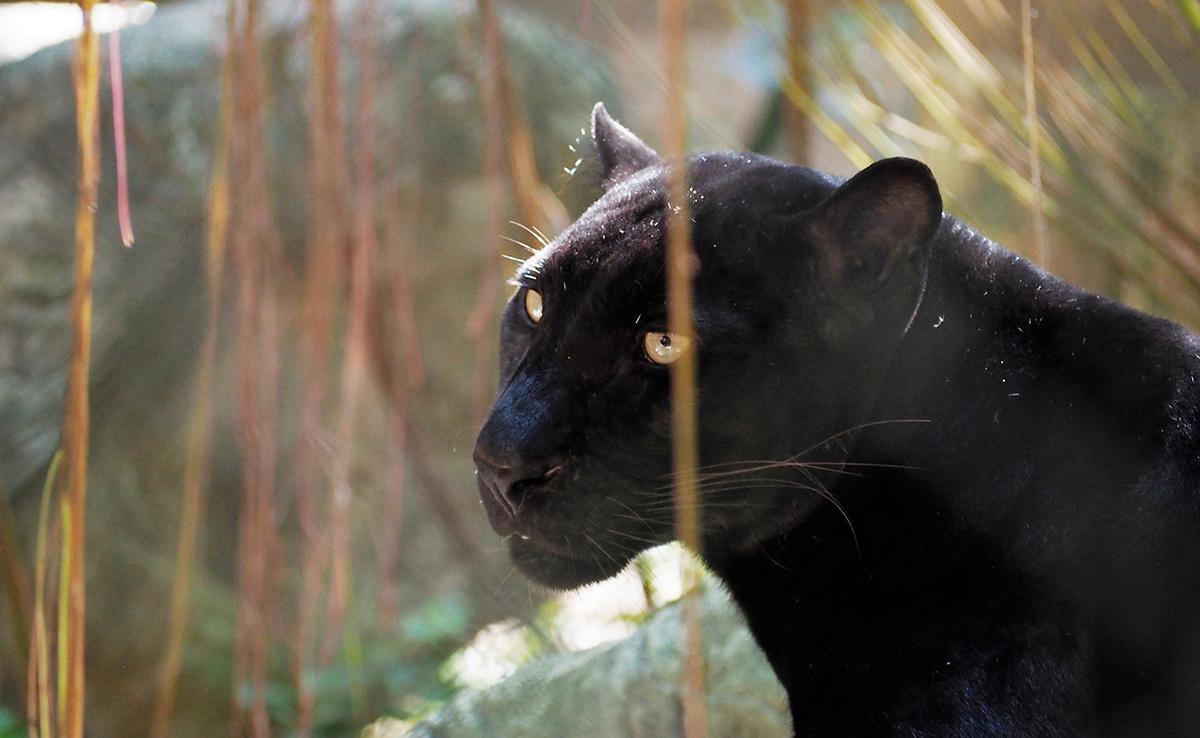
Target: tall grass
72, 511
255, 249
1061, 125
199, 442
680, 258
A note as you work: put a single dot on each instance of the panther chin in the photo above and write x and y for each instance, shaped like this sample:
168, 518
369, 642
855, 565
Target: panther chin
556, 569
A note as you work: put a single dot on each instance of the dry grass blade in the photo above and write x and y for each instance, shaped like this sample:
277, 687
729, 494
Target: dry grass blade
195, 476
799, 21
354, 361
323, 280
1033, 128
39, 698
124, 220
255, 249
916, 71
493, 177
86, 80
401, 224
14, 587
1147, 50
393, 507
680, 256
402, 216
802, 100
1107, 181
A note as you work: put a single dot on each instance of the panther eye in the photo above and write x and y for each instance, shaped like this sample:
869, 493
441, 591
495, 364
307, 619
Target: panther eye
664, 348
533, 305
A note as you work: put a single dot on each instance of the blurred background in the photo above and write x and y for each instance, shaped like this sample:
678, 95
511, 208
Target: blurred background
290, 363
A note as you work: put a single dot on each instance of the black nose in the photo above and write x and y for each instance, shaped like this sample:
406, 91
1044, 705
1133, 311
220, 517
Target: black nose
506, 485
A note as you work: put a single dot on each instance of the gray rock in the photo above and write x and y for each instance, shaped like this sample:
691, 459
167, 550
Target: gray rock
624, 689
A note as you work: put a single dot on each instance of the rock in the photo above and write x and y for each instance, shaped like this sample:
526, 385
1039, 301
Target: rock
624, 689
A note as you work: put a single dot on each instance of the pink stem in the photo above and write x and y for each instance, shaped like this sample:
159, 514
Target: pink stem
118, 96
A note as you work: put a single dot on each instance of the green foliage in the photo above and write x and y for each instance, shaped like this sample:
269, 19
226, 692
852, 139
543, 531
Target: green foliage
440, 619
10, 726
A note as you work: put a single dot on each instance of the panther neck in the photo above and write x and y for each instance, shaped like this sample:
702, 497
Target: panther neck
1050, 417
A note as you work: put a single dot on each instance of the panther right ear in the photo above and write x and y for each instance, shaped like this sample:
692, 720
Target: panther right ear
621, 153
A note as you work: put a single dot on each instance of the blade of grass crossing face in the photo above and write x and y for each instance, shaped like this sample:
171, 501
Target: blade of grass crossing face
679, 257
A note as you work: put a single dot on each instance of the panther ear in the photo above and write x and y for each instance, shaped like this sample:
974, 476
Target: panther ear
621, 153
877, 227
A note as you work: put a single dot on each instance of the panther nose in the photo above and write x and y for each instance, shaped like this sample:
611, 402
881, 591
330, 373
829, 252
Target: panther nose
505, 486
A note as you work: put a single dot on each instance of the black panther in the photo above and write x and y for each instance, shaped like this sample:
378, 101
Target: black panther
952, 494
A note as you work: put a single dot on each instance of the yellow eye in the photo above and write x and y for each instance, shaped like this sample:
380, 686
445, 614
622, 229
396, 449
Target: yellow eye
533, 305
664, 348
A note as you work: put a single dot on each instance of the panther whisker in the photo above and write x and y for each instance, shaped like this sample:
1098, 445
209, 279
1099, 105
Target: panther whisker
632, 537
598, 547
522, 244
796, 458
533, 231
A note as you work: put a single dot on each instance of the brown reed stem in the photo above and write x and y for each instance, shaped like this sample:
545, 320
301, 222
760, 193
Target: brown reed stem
401, 226
354, 358
1033, 130
86, 69
323, 278
255, 249
491, 81
14, 587
799, 20
124, 221
680, 263
196, 471
388, 548
39, 700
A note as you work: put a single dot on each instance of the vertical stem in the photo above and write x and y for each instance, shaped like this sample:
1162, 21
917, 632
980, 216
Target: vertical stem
38, 702
255, 249
196, 473
322, 282
680, 259
401, 226
493, 174
118, 110
1033, 128
799, 19
14, 586
354, 355
75, 425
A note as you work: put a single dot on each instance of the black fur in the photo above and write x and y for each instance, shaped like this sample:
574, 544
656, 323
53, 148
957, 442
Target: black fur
953, 495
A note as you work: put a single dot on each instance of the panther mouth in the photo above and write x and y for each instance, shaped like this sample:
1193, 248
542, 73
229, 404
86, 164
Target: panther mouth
563, 564
510, 503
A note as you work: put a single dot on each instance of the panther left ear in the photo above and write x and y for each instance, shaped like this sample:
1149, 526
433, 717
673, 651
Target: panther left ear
621, 152
877, 227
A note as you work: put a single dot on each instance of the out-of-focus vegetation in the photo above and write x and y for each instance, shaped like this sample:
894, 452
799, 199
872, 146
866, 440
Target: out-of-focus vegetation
327, 195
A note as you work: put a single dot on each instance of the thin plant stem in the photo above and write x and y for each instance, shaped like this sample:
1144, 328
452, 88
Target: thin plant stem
493, 177
1033, 130
322, 281
799, 20
354, 361
255, 248
124, 220
680, 259
39, 702
75, 424
196, 471
14, 586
